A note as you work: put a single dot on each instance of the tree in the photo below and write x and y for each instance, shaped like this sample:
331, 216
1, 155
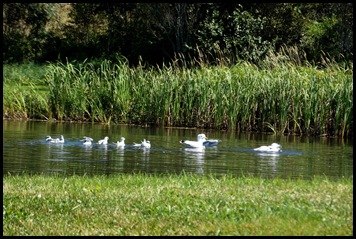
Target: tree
234, 33
161, 32
328, 29
24, 30
164, 30
85, 31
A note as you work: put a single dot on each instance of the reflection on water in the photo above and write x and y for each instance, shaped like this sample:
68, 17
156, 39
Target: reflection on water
197, 154
25, 150
268, 160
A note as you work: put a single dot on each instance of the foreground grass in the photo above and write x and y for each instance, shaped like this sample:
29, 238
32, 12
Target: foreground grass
184, 204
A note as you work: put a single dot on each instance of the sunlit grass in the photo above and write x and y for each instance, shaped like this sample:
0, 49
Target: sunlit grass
25, 93
24, 101
185, 204
281, 95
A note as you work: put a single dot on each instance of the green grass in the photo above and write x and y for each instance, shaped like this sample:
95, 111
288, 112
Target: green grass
279, 96
185, 204
25, 92
25, 74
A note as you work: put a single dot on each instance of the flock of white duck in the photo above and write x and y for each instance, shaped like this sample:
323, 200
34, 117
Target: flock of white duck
201, 142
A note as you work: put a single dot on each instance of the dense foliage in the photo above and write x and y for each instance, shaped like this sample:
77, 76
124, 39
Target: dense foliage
161, 32
282, 67
282, 97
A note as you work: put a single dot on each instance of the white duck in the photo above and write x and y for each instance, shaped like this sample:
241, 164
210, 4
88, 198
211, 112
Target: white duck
201, 138
87, 140
121, 142
59, 140
271, 148
145, 143
104, 141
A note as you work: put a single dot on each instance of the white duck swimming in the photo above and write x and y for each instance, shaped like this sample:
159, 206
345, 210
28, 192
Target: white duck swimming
104, 141
271, 148
145, 143
201, 138
121, 142
87, 140
59, 140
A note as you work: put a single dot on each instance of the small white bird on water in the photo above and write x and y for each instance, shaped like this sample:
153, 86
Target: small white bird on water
56, 141
201, 138
87, 140
121, 142
104, 141
271, 148
145, 143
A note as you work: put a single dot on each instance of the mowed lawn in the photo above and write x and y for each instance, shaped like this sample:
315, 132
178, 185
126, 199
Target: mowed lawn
184, 204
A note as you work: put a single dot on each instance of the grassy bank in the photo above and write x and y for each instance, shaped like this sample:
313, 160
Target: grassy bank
184, 204
277, 97
25, 92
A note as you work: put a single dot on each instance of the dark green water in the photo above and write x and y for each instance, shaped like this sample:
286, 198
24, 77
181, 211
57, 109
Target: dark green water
26, 151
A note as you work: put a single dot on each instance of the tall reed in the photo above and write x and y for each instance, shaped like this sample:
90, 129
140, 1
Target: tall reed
283, 99
24, 101
84, 92
282, 94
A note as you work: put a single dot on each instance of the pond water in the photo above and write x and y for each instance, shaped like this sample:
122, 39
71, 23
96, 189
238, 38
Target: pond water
25, 150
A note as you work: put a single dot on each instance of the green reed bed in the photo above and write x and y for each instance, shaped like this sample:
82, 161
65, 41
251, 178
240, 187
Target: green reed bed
25, 93
280, 98
87, 93
185, 204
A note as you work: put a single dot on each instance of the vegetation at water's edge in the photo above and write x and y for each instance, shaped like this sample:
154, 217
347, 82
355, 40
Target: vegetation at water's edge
183, 204
280, 95
284, 68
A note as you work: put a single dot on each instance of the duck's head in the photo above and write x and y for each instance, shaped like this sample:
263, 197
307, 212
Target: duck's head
202, 137
275, 145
